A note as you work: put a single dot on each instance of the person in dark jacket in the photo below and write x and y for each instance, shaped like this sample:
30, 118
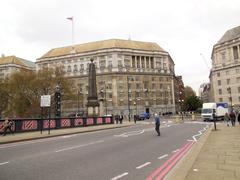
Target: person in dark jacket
157, 124
233, 118
238, 118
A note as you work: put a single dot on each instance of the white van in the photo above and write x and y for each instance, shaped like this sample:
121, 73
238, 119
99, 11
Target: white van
220, 109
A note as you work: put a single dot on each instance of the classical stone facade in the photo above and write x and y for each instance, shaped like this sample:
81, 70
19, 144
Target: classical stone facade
10, 64
225, 73
132, 76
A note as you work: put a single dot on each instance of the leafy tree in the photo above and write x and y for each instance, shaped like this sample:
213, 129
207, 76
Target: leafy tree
191, 101
4, 96
26, 88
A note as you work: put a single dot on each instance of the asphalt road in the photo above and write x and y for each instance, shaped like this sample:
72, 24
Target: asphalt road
124, 153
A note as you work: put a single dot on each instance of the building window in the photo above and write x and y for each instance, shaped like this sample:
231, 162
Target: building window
102, 63
143, 62
228, 81
120, 63
220, 91
235, 52
147, 62
109, 64
220, 100
152, 63
218, 74
238, 79
75, 69
223, 54
127, 62
219, 82
138, 62
238, 89
239, 99
82, 66
69, 69
133, 62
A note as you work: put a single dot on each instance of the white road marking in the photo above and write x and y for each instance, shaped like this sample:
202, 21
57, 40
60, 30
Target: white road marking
175, 151
120, 176
82, 145
4, 163
200, 132
163, 156
131, 133
143, 165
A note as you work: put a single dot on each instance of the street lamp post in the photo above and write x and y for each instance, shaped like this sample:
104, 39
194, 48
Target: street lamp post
230, 93
129, 110
78, 101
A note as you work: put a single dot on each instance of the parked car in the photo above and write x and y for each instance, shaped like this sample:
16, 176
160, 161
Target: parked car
143, 116
77, 114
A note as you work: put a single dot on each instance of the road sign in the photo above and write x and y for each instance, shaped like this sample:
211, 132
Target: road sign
45, 101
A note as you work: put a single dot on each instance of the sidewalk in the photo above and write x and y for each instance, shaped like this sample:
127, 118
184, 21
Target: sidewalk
9, 138
216, 156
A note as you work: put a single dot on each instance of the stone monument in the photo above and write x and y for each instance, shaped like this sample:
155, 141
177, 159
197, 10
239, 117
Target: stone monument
92, 104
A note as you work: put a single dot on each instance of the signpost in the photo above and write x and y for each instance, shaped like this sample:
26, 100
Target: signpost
46, 102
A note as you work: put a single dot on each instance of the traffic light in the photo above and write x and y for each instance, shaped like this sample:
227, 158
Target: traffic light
57, 104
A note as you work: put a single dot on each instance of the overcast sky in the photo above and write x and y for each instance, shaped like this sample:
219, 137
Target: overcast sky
186, 29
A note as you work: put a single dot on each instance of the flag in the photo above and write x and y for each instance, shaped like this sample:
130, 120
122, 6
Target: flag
70, 18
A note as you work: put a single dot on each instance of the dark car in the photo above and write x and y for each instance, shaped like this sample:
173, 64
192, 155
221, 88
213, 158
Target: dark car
143, 116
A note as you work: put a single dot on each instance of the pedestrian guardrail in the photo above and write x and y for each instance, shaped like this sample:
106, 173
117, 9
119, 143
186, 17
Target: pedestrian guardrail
37, 124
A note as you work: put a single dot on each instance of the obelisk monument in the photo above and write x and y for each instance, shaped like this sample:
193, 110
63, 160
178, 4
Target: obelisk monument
92, 104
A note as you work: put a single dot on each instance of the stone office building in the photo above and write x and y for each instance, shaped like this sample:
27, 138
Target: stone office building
225, 73
11, 64
132, 76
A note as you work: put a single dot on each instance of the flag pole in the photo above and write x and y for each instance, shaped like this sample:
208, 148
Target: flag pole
71, 19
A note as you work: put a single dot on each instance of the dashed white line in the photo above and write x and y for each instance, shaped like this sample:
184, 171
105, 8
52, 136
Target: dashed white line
163, 156
4, 163
175, 151
120, 176
82, 145
143, 165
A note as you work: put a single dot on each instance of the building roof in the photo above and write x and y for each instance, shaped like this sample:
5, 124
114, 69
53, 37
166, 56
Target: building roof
105, 44
230, 35
16, 60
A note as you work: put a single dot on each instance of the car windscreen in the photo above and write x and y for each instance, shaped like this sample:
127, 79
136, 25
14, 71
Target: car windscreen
207, 110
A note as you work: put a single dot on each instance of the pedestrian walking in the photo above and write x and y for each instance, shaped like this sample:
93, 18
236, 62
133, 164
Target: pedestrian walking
7, 125
121, 118
233, 118
227, 119
238, 119
116, 118
157, 124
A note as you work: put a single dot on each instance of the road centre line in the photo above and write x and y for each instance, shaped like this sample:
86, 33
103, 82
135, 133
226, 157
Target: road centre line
143, 165
120, 176
163, 156
4, 163
79, 146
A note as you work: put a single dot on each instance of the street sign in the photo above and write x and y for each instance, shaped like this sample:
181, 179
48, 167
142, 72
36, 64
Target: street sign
45, 101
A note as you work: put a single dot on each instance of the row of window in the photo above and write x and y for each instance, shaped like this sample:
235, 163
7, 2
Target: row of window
220, 91
235, 51
228, 81
228, 72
